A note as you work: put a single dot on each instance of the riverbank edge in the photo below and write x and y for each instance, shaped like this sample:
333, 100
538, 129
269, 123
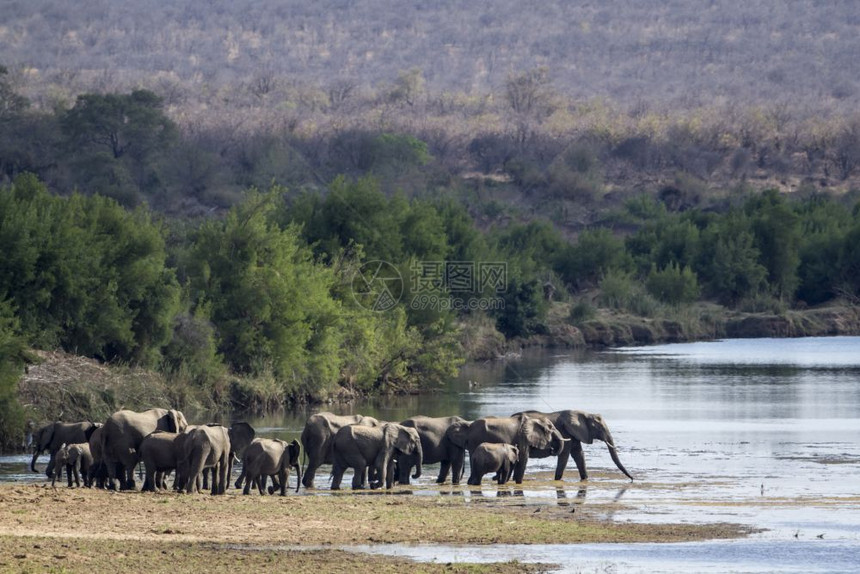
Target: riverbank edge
697, 323
62, 385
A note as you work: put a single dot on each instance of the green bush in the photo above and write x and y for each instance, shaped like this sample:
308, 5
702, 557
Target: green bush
672, 284
581, 312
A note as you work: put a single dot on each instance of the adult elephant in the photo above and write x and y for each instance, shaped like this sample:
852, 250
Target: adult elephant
124, 431
361, 448
579, 427
438, 445
524, 432
241, 435
206, 446
158, 452
318, 438
270, 457
54, 435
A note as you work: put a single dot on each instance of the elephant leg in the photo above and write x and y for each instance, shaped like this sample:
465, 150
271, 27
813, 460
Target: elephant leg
443, 472
206, 479
215, 472
284, 477
263, 478
310, 472
69, 475
149, 480
458, 464
240, 480
85, 476
389, 476
77, 472
358, 478
475, 477
127, 481
249, 481
336, 476
224, 475
402, 470
563, 457
505, 472
520, 468
579, 459
49, 470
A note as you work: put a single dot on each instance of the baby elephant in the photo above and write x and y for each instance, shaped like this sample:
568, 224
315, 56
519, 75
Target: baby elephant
270, 457
76, 459
493, 457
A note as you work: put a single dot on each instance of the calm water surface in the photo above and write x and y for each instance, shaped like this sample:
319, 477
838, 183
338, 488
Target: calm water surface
764, 432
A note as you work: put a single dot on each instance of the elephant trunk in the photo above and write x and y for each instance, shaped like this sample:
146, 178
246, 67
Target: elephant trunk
607, 438
420, 453
614, 454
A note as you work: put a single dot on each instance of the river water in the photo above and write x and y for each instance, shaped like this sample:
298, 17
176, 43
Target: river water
761, 432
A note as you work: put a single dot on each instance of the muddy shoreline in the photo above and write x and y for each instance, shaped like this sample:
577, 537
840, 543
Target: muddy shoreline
39, 523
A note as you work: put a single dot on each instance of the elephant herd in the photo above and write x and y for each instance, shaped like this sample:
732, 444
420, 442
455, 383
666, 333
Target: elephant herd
104, 454
379, 453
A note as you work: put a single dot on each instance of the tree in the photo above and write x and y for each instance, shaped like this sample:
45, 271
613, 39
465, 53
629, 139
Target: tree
524, 308
776, 229
595, 253
119, 123
673, 284
11, 367
730, 260
116, 141
11, 103
85, 274
269, 301
528, 93
409, 87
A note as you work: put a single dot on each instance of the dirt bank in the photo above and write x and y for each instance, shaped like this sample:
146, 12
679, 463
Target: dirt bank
45, 529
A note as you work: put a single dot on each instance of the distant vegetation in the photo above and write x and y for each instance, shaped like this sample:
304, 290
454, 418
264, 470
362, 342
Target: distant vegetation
200, 188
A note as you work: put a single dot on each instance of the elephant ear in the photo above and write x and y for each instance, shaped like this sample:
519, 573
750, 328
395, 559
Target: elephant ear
241, 435
534, 432
394, 435
458, 432
295, 450
91, 429
577, 425
177, 421
46, 435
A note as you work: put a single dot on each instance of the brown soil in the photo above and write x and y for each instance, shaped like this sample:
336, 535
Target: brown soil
93, 529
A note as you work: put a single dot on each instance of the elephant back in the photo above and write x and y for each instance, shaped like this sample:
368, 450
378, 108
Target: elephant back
433, 432
126, 429
493, 430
